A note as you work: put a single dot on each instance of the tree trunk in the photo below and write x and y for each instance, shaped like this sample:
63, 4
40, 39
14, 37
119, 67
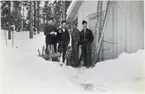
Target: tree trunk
9, 32
63, 10
35, 17
31, 16
22, 17
38, 21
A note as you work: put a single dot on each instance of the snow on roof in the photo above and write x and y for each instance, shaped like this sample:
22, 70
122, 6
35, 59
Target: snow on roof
72, 9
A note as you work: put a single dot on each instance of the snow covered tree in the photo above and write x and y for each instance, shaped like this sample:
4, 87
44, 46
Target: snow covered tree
5, 13
17, 17
47, 12
7, 17
11, 14
59, 11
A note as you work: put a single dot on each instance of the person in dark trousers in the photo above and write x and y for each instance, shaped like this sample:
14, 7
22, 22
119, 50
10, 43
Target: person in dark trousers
69, 58
64, 40
59, 36
86, 38
75, 35
50, 33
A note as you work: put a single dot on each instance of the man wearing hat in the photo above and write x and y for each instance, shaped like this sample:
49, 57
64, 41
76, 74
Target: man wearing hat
64, 40
86, 38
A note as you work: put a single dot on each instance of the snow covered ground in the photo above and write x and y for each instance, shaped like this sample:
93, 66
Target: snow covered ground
23, 72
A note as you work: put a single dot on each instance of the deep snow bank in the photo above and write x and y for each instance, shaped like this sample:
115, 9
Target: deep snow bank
126, 68
23, 72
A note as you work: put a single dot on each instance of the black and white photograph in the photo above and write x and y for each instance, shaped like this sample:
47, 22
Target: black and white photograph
72, 46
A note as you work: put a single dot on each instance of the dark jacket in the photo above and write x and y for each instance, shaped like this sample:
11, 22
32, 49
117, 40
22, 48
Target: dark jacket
50, 38
75, 34
48, 29
64, 36
88, 38
59, 34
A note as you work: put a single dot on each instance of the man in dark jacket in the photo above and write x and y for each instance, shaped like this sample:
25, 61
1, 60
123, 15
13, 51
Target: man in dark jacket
86, 38
50, 33
64, 40
75, 35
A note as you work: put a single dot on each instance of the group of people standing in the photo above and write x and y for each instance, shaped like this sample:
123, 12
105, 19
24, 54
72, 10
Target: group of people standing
63, 37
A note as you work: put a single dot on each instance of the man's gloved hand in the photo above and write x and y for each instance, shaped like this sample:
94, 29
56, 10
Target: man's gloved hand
69, 44
51, 32
54, 33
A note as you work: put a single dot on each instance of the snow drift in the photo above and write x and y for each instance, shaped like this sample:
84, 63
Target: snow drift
23, 72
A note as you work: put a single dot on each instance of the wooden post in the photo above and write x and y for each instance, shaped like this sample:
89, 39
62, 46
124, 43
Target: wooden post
100, 54
94, 52
103, 26
100, 25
